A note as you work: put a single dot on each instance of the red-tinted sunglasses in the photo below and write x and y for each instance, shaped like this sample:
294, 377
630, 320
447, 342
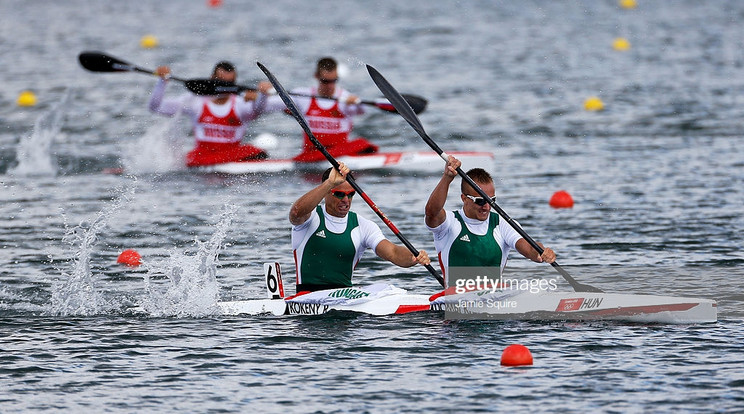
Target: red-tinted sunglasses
341, 194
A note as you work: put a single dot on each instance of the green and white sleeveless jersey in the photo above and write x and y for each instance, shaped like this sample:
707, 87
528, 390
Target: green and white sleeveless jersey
480, 243
328, 248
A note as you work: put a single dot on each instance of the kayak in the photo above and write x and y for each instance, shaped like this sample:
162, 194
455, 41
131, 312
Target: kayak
388, 305
578, 306
385, 299
564, 306
412, 161
377, 299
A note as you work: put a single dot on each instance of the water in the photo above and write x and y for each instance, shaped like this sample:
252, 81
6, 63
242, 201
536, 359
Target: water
656, 178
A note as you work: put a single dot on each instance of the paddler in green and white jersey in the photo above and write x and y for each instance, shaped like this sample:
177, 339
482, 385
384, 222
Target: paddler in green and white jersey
473, 235
328, 240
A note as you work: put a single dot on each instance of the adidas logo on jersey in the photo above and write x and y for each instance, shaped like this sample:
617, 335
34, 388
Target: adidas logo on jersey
321, 234
465, 238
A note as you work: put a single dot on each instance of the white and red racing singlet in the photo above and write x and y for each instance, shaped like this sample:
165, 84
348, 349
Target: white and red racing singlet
219, 129
330, 126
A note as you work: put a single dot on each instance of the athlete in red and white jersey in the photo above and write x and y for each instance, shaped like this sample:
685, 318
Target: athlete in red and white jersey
219, 122
330, 120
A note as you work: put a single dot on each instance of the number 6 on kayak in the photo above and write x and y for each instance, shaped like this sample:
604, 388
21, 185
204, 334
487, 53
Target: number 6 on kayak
273, 277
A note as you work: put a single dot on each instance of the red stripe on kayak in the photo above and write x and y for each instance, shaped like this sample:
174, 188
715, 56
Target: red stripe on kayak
568, 305
634, 310
435, 296
411, 308
304, 292
392, 158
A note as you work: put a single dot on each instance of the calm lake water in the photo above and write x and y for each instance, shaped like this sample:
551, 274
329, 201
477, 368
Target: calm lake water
657, 180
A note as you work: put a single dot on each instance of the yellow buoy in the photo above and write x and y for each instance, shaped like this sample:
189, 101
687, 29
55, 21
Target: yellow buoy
26, 98
627, 4
622, 44
593, 103
149, 42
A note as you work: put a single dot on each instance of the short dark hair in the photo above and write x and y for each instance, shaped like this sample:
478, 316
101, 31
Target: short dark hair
479, 175
326, 174
326, 64
224, 65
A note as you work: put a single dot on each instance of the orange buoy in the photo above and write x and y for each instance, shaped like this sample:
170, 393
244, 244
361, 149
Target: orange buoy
130, 257
516, 355
214, 3
561, 199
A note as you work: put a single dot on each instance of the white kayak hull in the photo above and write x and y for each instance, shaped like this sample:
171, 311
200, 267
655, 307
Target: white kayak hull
564, 306
385, 299
412, 161
574, 306
388, 305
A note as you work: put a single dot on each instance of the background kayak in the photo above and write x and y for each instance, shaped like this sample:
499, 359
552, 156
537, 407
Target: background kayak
403, 162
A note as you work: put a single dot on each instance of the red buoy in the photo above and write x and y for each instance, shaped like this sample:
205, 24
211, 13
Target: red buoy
516, 355
214, 3
561, 199
130, 257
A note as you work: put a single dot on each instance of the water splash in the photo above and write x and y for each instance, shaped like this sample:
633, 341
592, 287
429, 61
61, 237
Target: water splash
14, 301
191, 289
76, 293
160, 149
34, 153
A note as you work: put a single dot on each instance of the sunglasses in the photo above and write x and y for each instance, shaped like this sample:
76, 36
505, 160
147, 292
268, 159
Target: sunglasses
341, 194
327, 81
480, 200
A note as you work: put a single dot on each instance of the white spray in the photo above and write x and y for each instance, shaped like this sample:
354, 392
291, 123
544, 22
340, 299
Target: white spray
191, 288
34, 153
76, 293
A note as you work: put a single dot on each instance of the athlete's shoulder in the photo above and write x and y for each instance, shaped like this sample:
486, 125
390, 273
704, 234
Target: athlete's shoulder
449, 223
361, 219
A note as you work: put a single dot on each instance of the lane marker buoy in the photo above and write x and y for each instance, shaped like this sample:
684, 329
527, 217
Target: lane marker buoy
516, 355
149, 42
593, 103
26, 98
130, 257
561, 199
621, 44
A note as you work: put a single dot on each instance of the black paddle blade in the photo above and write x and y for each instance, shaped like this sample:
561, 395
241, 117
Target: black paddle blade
292, 107
99, 62
214, 87
402, 106
417, 103
586, 288
397, 100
